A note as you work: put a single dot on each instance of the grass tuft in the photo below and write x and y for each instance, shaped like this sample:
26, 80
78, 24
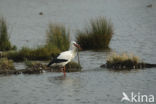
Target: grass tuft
58, 36
114, 58
97, 36
40, 53
28, 63
70, 67
123, 60
5, 44
57, 41
6, 64
34, 65
73, 64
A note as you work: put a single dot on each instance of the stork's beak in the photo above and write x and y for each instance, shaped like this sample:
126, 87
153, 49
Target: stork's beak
78, 46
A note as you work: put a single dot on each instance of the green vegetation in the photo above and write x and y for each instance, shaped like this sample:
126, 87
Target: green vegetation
58, 36
57, 41
6, 64
40, 53
29, 63
122, 61
70, 67
34, 67
73, 67
96, 36
5, 44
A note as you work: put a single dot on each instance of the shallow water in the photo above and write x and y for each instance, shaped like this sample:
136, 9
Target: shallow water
135, 32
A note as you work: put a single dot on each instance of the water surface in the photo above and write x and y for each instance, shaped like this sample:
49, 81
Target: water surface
135, 32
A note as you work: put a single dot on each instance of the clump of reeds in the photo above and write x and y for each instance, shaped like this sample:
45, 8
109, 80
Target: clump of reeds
58, 36
6, 64
124, 60
5, 44
97, 36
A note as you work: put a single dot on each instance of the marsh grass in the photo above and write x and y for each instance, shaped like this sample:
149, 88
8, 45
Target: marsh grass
57, 41
40, 53
28, 63
97, 35
58, 36
6, 64
123, 60
35, 65
73, 64
5, 44
70, 67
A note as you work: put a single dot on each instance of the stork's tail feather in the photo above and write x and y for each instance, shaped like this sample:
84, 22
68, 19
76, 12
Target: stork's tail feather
56, 61
51, 62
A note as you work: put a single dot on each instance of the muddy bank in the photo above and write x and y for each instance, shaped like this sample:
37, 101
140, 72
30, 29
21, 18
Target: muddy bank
38, 69
128, 66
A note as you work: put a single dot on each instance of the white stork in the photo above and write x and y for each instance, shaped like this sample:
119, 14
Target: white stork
65, 57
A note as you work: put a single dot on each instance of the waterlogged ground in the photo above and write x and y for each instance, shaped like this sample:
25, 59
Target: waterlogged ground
135, 32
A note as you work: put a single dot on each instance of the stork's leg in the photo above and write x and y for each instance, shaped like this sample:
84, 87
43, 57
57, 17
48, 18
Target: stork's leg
64, 71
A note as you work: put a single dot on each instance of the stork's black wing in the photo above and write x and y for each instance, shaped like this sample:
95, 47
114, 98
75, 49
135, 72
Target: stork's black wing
55, 60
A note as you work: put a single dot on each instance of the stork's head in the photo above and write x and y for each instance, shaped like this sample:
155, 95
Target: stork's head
74, 44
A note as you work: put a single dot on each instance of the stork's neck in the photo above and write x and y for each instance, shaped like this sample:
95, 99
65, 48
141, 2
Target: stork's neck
74, 50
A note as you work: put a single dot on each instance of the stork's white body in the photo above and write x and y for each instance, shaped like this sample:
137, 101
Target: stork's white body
67, 55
